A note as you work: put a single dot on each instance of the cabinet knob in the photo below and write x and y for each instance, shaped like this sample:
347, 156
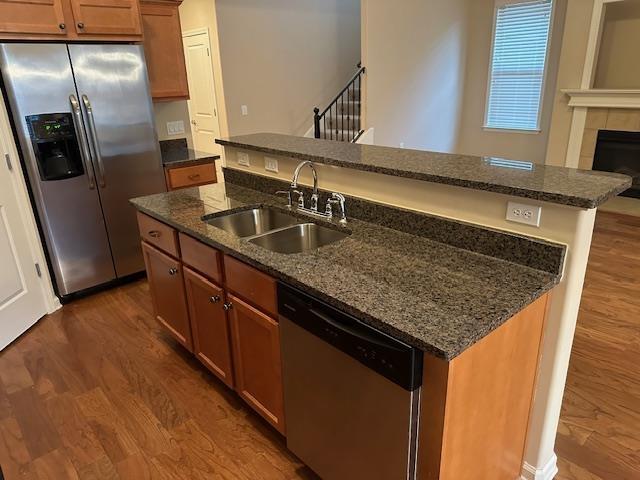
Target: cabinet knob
80, 25
227, 306
214, 299
62, 26
173, 271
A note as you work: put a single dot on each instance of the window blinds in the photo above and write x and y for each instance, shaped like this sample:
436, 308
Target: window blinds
517, 65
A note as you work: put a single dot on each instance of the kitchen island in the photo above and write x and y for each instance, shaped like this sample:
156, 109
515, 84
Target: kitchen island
472, 298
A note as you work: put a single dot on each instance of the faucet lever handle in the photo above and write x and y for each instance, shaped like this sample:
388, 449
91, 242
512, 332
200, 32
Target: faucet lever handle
300, 198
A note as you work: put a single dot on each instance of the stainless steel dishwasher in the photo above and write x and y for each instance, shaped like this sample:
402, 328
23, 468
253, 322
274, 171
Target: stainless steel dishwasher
351, 392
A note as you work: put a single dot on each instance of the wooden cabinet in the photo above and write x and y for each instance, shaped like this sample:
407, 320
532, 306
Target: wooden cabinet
70, 20
192, 176
251, 284
209, 324
167, 293
236, 336
44, 17
256, 357
163, 50
106, 17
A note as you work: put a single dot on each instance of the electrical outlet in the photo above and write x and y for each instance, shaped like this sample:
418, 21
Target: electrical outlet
523, 213
244, 110
243, 159
175, 128
271, 164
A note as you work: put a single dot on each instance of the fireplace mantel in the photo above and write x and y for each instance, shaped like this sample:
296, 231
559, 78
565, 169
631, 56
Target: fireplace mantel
603, 98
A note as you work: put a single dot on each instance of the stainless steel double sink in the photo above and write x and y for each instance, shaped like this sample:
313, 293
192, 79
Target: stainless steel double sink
276, 230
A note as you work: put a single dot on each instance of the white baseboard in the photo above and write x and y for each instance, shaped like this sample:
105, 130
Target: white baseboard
547, 472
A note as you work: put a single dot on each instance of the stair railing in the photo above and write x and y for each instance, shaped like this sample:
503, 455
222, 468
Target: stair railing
343, 123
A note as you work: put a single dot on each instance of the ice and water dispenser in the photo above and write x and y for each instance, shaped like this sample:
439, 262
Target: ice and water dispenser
55, 145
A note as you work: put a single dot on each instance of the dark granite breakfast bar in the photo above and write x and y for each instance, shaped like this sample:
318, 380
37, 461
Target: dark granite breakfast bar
566, 186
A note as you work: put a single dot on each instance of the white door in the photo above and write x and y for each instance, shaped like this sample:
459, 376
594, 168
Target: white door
202, 95
22, 299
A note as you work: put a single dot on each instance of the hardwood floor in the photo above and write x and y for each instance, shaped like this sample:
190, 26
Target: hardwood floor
599, 432
98, 391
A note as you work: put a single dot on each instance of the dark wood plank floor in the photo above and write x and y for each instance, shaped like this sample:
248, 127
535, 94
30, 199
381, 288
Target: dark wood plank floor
599, 432
98, 391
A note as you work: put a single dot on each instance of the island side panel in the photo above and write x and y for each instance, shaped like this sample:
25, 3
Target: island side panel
475, 409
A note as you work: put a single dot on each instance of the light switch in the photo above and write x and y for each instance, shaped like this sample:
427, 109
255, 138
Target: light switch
244, 110
175, 128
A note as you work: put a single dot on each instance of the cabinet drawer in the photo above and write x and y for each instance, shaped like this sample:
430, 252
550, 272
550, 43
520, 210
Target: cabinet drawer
158, 234
191, 176
254, 286
201, 257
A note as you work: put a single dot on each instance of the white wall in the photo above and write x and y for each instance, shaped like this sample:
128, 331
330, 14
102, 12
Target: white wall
283, 57
414, 55
472, 137
427, 71
618, 65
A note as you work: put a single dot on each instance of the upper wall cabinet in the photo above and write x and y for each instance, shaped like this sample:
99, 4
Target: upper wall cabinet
34, 18
163, 50
70, 20
107, 17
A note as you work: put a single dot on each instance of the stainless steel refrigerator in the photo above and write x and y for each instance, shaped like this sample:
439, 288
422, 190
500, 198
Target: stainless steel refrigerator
84, 119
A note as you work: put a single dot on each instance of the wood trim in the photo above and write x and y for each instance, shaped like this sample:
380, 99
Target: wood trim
486, 393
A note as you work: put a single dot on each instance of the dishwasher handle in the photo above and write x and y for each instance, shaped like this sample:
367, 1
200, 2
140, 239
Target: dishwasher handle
397, 361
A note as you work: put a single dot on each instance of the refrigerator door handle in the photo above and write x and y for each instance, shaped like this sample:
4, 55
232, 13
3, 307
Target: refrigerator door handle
94, 139
84, 148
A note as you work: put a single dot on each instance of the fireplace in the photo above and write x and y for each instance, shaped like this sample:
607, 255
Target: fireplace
619, 152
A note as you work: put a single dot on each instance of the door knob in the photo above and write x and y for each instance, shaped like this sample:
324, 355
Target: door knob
227, 306
215, 299
173, 271
80, 25
193, 122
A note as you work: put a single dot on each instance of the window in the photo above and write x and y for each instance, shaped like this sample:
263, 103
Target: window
518, 58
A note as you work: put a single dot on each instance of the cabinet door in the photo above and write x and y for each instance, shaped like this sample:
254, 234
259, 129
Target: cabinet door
167, 293
209, 325
163, 50
107, 17
38, 17
256, 359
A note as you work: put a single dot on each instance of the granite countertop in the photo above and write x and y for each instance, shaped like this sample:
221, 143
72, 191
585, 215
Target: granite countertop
566, 186
434, 296
175, 153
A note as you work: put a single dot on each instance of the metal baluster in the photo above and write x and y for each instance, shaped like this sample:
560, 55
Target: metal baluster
324, 118
342, 117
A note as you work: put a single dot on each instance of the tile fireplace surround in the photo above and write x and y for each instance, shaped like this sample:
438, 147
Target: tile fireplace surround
627, 120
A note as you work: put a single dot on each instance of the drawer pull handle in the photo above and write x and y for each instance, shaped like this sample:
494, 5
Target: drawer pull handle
173, 271
80, 25
215, 299
194, 176
227, 306
154, 233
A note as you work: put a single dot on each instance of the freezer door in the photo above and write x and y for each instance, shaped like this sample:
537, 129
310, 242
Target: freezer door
113, 88
39, 80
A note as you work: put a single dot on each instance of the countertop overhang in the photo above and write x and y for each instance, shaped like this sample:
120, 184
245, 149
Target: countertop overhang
432, 295
560, 185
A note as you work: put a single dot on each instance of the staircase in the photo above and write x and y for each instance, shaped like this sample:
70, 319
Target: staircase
341, 119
